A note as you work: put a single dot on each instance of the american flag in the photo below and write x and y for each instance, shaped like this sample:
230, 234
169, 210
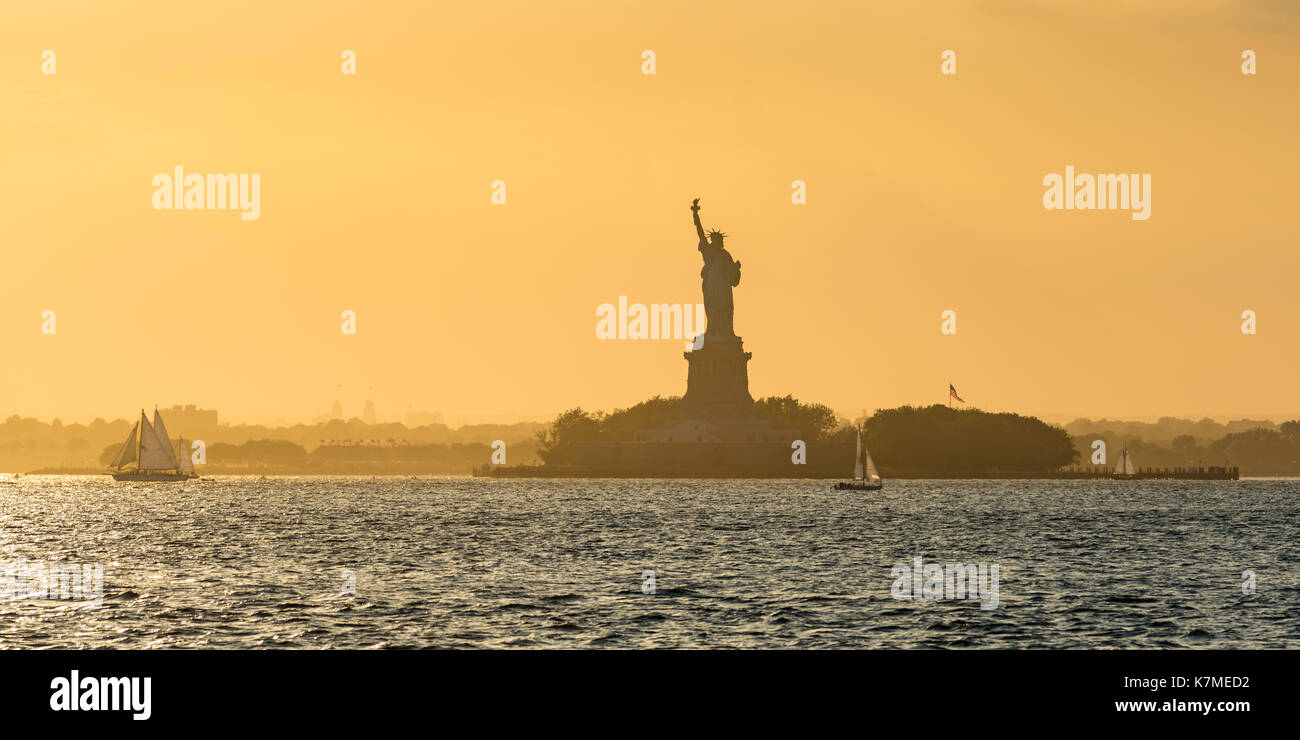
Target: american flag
952, 393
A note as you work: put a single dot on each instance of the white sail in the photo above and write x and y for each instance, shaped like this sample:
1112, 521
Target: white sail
154, 453
127, 453
187, 463
161, 430
872, 474
857, 465
1125, 464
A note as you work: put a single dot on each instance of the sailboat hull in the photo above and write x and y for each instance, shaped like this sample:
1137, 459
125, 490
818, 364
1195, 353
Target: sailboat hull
154, 475
859, 486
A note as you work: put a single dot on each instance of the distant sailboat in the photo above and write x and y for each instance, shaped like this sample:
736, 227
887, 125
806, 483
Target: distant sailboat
187, 464
865, 476
147, 454
1125, 468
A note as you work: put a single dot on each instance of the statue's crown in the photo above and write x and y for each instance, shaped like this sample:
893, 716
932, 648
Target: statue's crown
716, 233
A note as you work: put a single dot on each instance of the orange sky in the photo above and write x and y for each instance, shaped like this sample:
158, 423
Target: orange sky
924, 194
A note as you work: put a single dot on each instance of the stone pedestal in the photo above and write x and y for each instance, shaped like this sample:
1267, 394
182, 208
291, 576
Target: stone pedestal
717, 383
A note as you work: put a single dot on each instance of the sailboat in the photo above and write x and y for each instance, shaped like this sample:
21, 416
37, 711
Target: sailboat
147, 454
1125, 468
865, 476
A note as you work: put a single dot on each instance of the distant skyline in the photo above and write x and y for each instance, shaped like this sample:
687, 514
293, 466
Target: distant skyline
924, 193
456, 419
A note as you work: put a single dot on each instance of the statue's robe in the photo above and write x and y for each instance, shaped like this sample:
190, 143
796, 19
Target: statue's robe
719, 274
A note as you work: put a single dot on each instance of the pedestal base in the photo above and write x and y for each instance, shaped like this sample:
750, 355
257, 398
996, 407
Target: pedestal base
717, 382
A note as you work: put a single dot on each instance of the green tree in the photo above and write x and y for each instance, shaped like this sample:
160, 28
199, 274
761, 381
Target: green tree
272, 451
555, 445
223, 453
813, 422
109, 452
1259, 449
653, 413
945, 440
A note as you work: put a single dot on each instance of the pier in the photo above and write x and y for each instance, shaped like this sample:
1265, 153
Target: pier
1212, 472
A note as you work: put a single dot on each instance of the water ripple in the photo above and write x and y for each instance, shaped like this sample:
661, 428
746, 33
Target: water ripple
241, 562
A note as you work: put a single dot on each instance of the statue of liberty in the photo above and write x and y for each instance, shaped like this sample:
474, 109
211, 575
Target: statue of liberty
718, 276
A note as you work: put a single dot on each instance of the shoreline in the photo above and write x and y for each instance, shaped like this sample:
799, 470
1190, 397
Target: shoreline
569, 475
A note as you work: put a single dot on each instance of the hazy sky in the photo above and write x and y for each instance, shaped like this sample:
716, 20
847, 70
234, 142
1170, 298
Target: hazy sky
924, 193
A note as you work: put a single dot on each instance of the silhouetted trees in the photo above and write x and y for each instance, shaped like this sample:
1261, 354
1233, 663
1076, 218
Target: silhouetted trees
946, 440
653, 413
936, 438
1164, 430
109, 453
263, 451
27, 444
814, 423
1260, 451
1257, 449
555, 445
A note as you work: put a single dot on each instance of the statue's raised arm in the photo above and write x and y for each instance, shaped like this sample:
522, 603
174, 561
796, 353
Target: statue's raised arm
699, 228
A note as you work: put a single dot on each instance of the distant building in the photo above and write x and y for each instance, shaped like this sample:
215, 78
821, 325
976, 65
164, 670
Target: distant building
190, 421
336, 409
1245, 425
368, 414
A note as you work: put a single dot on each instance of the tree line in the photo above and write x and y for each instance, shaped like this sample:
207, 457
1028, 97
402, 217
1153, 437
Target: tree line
813, 422
935, 438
